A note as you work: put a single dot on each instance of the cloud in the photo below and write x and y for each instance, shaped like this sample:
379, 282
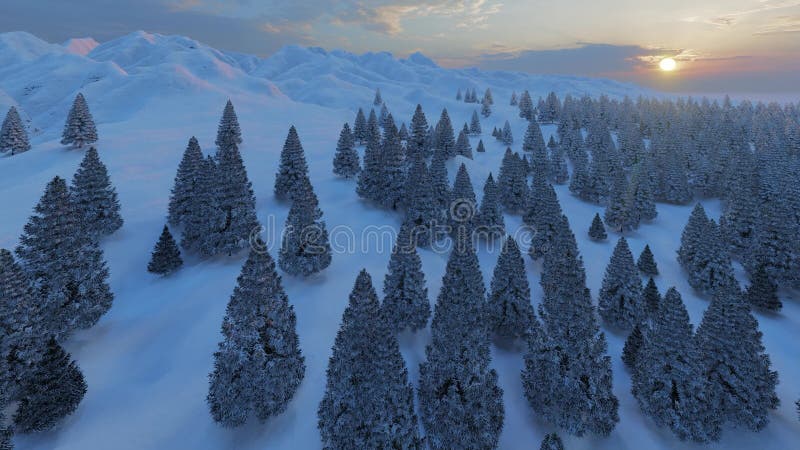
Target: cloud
735, 17
781, 25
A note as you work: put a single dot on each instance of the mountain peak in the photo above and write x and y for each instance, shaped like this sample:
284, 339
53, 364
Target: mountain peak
422, 60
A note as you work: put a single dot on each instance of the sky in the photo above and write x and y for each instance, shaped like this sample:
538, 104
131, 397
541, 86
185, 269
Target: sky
721, 46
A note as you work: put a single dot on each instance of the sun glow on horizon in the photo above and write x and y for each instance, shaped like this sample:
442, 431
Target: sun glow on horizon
667, 64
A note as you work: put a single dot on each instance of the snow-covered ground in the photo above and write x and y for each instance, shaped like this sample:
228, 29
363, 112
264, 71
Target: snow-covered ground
147, 361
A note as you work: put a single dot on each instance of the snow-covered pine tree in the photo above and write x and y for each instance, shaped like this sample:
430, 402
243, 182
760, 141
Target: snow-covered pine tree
403, 133
567, 376
712, 265
444, 139
94, 197
533, 143
235, 198
742, 390
369, 179
405, 297
258, 365
293, 166
513, 101
633, 344
458, 95
552, 442
620, 214
393, 171
305, 249
739, 221
506, 137
6, 432
384, 119
417, 143
641, 192
647, 263
13, 137
620, 302
461, 403
79, 129
378, 100
166, 256
65, 263
544, 215
463, 205
667, 378
510, 312
551, 112
486, 108
345, 161
526, 110
228, 132
185, 181
440, 183
762, 292
512, 184
475, 124
490, 223
557, 169
368, 401
463, 147
423, 212
597, 231
487, 97
204, 217
480, 148
53, 391
360, 127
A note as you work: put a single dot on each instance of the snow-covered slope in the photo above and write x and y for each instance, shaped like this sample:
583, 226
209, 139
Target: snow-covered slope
146, 362
80, 46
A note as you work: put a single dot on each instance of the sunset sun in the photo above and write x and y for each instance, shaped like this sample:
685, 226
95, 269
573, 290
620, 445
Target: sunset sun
667, 64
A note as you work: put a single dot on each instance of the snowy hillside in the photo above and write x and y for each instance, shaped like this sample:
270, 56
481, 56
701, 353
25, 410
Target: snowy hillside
147, 361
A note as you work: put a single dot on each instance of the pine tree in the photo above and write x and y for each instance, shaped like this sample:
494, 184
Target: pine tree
370, 178
462, 145
79, 129
486, 108
460, 402
305, 249
692, 238
293, 166
475, 124
258, 365
480, 148
345, 161
710, 267
489, 220
507, 138
647, 263
235, 199
405, 297
186, 180
763, 293
166, 257
620, 214
403, 133
54, 391
510, 311
557, 163
444, 139
552, 442
204, 218
742, 390
667, 379
378, 101
651, 296
512, 184
633, 345
440, 182
597, 231
360, 127
385, 118
533, 143
463, 204
458, 95
423, 211
417, 144
6, 433
65, 263
228, 132
620, 302
13, 137
526, 106
392, 176
94, 196
544, 215
641, 193
368, 401
513, 101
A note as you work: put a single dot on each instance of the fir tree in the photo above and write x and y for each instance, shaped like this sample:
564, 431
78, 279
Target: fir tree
475, 124
463, 204
293, 167
513, 101
480, 148
378, 100
360, 127
487, 96
526, 106
235, 198
460, 402
641, 193
166, 257
506, 137
551, 442
6, 433
439, 182
486, 108
417, 144
13, 137
667, 380
444, 139
692, 238
651, 297
422, 208
533, 143
557, 163
345, 161
633, 345
763, 293
742, 386
597, 231
403, 133
228, 132
258, 365
544, 215
489, 220
79, 129
305, 249
509, 308
53, 392
462, 145
94, 197
368, 401
620, 214
392, 176
711, 267
385, 117
186, 179
620, 302
405, 297
512, 184
647, 263
65, 263
204, 217
458, 95
370, 178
